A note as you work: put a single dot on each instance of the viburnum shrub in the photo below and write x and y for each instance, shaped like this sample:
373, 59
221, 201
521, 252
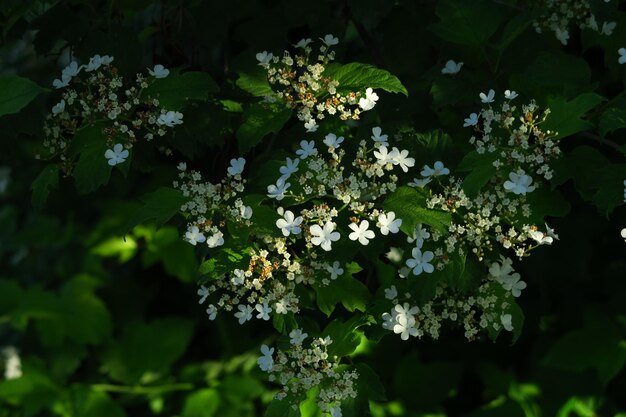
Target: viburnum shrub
316, 222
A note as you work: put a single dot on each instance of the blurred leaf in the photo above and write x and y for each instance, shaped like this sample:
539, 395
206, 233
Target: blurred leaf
467, 23
15, 93
45, 182
202, 403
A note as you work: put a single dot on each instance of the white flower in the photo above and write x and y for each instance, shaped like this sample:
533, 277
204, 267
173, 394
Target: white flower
311, 126
332, 141
264, 311
335, 411
182, 166
203, 293
170, 119
245, 212
117, 155
59, 107
290, 168
391, 292
405, 321
438, 169
303, 43
394, 254
369, 101
514, 284
381, 140
211, 311
519, 183
550, 232
472, 120
63, 82
96, 61
420, 261
420, 234
306, 149
264, 57
335, 270
361, 232
277, 190
403, 160
72, 70
239, 277
297, 336
385, 157
159, 71
622, 55
13, 364
266, 362
501, 271
451, 67
281, 307
244, 314
388, 223
289, 224
324, 237
510, 94
420, 182
607, 28
330, 40
236, 166
623, 233
489, 97
507, 323
194, 236
540, 237
216, 240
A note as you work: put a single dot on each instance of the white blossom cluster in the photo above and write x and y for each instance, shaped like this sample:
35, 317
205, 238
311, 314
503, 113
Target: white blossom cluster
299, 369
343, 199
95, 92
485, 308
560, 15
12, 362
299, 82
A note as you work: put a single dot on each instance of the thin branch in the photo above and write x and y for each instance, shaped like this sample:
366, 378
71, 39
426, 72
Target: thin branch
600, 140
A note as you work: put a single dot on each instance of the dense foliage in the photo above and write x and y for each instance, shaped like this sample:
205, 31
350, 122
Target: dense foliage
292, 208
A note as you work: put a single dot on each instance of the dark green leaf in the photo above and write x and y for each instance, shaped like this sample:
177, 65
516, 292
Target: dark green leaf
159, 205
566, 115
259, 121
174, 90
345, 290
16, 92
45, 182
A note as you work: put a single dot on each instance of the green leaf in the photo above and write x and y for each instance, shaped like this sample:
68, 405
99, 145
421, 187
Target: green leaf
481, 170
352, 293
356, 77
91, 170
259, 121
369, 384
159, 205
282, 408
613, 118
16, 92
255, 83
202, 403
147, 350
596, 345
409, 204
346, 336
45, 182
469, 23
545, 202
178, 257
566, 116
174, 90
514, 28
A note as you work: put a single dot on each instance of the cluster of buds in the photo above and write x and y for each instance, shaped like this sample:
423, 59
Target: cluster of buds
300, 82
95, 94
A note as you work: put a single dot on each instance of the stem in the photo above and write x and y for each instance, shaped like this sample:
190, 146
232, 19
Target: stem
139, 390
600, 140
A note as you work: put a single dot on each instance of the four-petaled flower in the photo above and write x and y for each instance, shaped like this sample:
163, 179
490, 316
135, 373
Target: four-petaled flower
97, 61
330, 40
438, 169
472, 120
203, 292
369, 101
244, 314
335, 270
264, 311
303, 43
324, 237
420, 261
58, 108
266, 362
194, 236
385, 157
217, 239
117, 155
451, 67
519, 183
391, 292
236, 166
170, 118
297, 336
381, 140
489, 97
159, 71
289, 224
72, 70
311, 126
361, 232
290, 168
306, 149
622, 56
277, 190
402, 158
332, 141
388, 223
510, 94
507, 322
264, 57
211, 312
